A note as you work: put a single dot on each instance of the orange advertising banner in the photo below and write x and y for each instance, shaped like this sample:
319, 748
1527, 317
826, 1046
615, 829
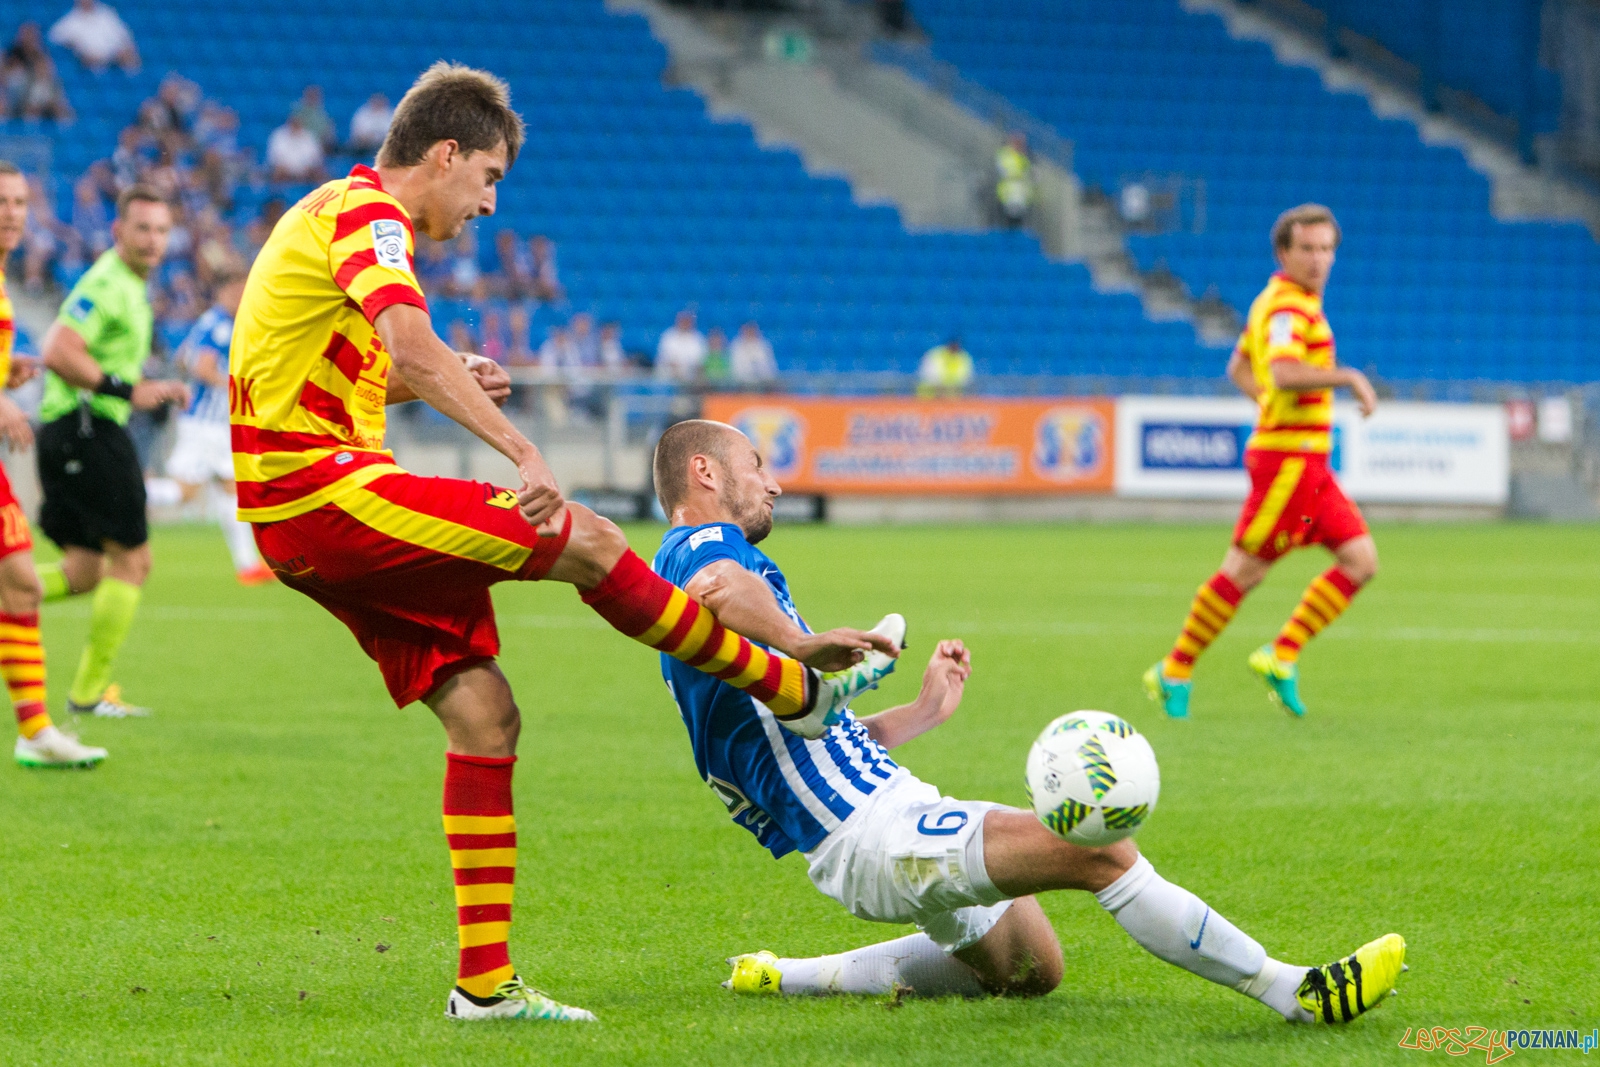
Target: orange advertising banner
899, 445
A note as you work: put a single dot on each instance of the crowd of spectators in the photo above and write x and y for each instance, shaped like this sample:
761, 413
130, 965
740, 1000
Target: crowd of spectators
685, 355
496, 312
188, 148
508, 303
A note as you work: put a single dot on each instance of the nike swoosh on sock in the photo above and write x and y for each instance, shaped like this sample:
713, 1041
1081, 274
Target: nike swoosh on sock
1195, 944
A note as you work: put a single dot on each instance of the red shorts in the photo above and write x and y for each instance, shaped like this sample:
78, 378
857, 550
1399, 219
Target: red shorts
1294, 501
14, 536
406, 563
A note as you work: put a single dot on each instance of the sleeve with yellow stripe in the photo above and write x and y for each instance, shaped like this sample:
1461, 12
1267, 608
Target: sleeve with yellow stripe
371, 253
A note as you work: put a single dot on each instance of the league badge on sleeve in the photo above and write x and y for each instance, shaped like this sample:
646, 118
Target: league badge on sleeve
1280, 328
79, 309
389, 242
700, 537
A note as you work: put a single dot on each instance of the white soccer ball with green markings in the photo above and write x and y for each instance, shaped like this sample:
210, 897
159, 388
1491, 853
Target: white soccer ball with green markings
1092, 778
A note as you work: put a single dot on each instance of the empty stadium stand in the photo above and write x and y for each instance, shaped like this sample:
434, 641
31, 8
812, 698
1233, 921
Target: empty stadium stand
1429, 285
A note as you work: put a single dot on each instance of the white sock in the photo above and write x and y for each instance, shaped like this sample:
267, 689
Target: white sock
162, 493
1179, 927
241, 541
915, 961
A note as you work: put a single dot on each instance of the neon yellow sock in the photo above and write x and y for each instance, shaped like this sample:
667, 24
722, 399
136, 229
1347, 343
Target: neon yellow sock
54, 580
115, 603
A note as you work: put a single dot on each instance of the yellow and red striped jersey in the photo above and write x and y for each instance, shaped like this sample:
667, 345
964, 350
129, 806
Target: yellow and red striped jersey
8, 331
308, 376
1286, 323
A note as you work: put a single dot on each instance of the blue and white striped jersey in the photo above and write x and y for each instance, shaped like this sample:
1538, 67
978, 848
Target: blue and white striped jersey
212, 332
791, 793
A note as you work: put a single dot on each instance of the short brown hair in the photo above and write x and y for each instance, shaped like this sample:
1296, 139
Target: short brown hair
681, 442
452, 102
1304, 215
138, 194
8, 167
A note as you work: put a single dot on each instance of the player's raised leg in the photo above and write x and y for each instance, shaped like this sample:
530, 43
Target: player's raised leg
1169, 681
624, 591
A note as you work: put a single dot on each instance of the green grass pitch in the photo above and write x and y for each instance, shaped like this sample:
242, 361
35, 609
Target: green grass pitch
258, 874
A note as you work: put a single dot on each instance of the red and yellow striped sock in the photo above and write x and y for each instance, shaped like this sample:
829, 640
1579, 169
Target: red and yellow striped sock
483, 853
1325, 600
22, 664
1211, 611
653, 611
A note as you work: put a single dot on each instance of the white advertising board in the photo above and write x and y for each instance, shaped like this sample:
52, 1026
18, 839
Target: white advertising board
1192, 448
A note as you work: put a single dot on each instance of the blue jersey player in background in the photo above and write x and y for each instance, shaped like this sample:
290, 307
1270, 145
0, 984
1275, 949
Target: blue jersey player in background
889, 847
201, 463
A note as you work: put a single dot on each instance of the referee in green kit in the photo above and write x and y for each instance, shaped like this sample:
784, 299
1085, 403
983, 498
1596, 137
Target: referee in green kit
94, 506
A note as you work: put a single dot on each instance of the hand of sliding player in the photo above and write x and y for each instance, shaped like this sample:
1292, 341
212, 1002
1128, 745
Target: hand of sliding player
834, 650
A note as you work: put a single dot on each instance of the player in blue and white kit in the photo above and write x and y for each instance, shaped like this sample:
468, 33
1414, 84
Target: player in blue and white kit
889, 847
202, 457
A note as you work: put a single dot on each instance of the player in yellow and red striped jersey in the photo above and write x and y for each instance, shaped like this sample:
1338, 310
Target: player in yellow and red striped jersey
1285, 361
39, 742
331, 329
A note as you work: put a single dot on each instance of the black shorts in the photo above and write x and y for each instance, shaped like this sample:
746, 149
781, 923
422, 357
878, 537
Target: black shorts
93, 485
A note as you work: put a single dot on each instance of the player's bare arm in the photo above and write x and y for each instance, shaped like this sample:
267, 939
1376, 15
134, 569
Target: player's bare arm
14, 427
67, 354
1242, 377
23, 370
1296, 376
431, 372
492, 378
745, 604
943, 684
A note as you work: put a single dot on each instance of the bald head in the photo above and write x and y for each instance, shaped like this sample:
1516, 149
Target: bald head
710, 472
681, 443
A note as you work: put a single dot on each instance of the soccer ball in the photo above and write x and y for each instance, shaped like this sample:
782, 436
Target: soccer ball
1092, 778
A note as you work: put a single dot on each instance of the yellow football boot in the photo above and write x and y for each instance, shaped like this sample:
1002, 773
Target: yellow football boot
1283, 679
754, 972
1339, 991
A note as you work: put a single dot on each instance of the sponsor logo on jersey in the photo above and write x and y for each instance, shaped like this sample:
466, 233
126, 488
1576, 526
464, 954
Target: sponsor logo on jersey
505, 499
1069, 444
389, 244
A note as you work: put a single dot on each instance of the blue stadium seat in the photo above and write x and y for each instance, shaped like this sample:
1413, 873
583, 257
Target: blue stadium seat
1427, 280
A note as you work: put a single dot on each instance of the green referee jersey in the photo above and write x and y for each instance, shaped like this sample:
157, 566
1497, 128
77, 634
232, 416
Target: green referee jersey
110, 309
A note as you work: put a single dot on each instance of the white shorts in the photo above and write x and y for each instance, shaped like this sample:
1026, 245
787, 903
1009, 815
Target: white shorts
911, 855
203, 451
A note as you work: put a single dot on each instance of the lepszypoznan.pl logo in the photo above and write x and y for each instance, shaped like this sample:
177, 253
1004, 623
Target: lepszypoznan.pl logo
1497, 1045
